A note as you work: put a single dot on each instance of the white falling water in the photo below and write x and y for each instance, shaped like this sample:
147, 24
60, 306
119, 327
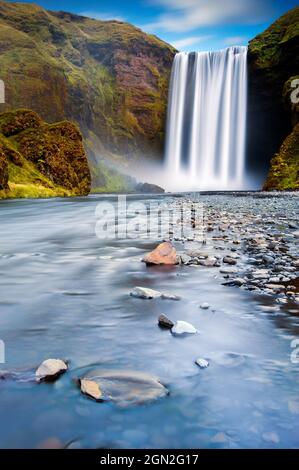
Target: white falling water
206, 129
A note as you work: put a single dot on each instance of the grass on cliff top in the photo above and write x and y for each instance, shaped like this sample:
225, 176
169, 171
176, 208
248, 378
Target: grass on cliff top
268, 44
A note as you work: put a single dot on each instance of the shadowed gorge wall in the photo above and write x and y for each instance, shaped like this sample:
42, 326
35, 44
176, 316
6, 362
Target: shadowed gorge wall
273, 59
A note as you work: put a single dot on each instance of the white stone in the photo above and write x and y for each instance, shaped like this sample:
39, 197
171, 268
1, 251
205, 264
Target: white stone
205, 306
145, 293
50, 368
182, 327
202, 363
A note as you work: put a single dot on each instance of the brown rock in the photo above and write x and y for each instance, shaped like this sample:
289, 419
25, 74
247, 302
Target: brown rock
165, 322
165, 253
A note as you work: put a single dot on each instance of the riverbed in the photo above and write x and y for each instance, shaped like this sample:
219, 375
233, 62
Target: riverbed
65, 293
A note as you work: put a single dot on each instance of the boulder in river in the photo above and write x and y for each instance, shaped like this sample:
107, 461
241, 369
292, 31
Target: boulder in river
125, 387
165, 253
165, 322
50, 370
183, 327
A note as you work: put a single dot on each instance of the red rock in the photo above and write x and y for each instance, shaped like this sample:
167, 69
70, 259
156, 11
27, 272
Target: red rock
165, 253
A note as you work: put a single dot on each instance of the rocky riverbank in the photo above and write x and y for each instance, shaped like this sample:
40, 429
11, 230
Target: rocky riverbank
253, 247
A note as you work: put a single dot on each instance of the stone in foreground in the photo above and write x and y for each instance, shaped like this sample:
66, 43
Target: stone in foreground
202, 363
183, 327
165, 254
165, 322
91, 389
126, 388
145, 293
50, 370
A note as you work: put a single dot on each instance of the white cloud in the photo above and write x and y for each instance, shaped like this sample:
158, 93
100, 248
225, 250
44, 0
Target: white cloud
184, 15
235, 41
190, 41
96, 15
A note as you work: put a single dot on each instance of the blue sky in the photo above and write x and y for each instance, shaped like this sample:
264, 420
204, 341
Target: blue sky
187, 24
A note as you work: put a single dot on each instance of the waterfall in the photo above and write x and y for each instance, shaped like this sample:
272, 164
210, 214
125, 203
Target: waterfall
206, 126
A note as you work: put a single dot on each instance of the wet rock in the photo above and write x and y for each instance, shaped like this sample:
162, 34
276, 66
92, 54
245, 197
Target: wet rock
185, 259
50, 370
165, 253
167, 296
127, 388
91, 389
145, 293
182, 327
229, 260
202, 363
235, 282
165, 322
208, 262
205, 306
228, 270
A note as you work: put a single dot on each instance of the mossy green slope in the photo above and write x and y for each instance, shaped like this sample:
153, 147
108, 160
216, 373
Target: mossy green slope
107, 76
39, 159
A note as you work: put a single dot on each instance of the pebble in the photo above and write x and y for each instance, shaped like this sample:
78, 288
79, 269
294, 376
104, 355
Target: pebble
202, 363
165, 322
205, 306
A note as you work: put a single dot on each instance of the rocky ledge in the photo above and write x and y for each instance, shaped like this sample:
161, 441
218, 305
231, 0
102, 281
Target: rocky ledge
39, 159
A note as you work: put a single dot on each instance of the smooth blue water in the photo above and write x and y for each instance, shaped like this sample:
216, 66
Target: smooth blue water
62, 296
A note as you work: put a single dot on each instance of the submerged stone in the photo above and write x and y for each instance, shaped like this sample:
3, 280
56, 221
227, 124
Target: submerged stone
145, 293
124, 387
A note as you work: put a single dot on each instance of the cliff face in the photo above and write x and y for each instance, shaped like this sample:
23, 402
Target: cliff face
39, 159
273, 59
284, 171
107, 76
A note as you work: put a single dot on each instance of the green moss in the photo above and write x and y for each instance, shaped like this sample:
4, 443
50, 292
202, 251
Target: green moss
42, 160
284, 172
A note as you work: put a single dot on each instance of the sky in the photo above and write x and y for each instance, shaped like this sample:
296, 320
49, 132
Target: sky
189, 25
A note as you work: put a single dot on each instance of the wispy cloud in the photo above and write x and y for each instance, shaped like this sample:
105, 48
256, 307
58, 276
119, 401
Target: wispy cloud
189, 41
97, 15
187, 15
235, 41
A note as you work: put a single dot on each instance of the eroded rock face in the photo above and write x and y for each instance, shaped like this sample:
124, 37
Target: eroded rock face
284, 170
126, 388
3, 169
165, 253
55, 150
